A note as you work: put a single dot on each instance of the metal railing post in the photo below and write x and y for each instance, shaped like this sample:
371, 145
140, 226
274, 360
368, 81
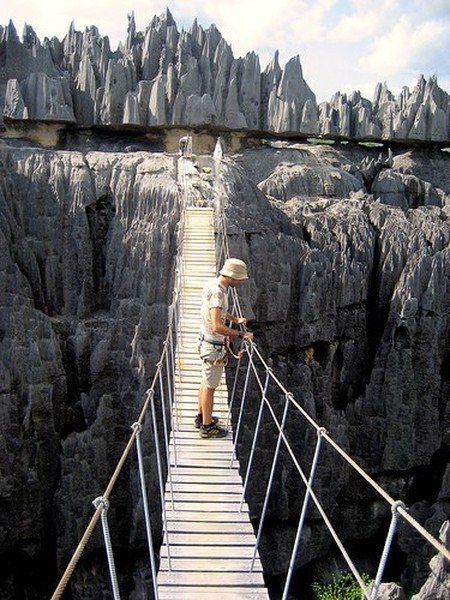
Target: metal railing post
233, 392
315, 460
173, 394
386, 549
138, 428
109, 552
269, 483
241, 409
179, 333
166, 433
177, 355
255, 435
158, 463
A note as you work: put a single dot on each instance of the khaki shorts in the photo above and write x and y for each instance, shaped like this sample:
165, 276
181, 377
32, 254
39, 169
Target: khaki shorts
212, 373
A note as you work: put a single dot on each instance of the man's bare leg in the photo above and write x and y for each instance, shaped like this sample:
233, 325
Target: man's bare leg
200, 390
206, 401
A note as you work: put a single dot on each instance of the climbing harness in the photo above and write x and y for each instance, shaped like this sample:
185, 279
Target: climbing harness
216, 343
216, 361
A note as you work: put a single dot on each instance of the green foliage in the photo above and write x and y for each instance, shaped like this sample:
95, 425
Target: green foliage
316, 141
344, 587
371, 144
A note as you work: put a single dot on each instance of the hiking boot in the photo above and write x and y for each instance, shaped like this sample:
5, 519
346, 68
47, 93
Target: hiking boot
213, 431
198, 421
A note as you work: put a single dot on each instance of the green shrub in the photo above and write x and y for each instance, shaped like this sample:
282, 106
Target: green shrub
343, 587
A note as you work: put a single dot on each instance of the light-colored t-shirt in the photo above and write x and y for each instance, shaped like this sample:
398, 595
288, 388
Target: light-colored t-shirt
214, 295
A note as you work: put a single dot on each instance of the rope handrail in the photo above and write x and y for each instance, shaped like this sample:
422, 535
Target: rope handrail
99, 509
405, 514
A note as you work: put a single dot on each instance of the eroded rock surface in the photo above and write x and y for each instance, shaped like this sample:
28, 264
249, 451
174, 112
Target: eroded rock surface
87, 246
348, 293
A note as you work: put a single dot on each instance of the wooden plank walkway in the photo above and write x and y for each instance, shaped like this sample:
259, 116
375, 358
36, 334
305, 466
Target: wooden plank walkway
211, 541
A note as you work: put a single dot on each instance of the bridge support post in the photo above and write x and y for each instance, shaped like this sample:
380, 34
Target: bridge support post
104, 503
269, 483
151, 393
170, 366
258, 424
386, 549
163, 409
241, 409
233, 392
137, 427
320, 433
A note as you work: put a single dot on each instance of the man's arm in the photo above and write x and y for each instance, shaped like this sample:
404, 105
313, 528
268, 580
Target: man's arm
236, 320
218, 327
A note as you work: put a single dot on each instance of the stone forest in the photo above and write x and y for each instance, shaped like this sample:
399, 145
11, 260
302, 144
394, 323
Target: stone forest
341, 212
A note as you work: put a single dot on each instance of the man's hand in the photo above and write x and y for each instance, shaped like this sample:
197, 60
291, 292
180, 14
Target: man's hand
248, 335
241, 321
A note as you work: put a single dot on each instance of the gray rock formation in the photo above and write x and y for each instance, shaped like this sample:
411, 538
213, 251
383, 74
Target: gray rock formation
389, 591
351, 117
363, 273
87, 243
438, 583
349, 297
15, 105
422, 114
165, 77
40, 98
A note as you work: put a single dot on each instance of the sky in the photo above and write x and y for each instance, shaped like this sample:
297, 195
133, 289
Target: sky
344, 45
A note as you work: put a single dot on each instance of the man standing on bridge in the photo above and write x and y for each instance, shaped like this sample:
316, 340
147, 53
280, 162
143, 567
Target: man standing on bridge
211, 347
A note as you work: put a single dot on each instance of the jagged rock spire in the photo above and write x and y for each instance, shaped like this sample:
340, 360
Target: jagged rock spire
166, 77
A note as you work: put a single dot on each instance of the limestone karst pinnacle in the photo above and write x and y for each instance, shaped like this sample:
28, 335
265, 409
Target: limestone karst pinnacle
163, 77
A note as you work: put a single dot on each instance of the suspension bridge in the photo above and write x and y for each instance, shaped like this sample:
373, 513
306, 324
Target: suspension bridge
210, 548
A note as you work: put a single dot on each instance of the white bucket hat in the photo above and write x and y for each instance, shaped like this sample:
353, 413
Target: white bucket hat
235, 268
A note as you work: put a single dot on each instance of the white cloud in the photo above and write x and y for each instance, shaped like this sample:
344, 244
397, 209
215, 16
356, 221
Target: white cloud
311, 24
405, 46
245, 25
364, 21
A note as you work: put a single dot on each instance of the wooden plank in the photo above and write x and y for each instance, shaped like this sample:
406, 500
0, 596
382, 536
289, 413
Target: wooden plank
243, 552
202, 593
200, 516
207, 488
207, 565
201, 497
190, 527
186, 427
212, 507
211, 540
183, 453
205, 472
200, 462
180, 578
218, 460
186, 445
192, 435
205, 476
204, 516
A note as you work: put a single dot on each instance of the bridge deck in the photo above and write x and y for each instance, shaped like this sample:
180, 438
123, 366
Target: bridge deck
211, 541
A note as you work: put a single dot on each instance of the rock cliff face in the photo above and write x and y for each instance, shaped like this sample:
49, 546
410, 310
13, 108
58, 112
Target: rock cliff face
355, 311
87, 243
349, 262
190, 78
